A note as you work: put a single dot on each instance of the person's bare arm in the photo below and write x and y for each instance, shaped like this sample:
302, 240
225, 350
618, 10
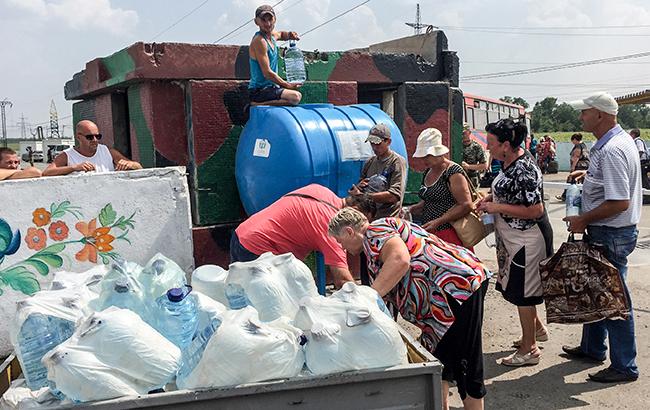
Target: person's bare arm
578, 224
31, 172
259, 49
122, 163
340, 275
460, 190
574, 160
396, 263
60, 166
515, 211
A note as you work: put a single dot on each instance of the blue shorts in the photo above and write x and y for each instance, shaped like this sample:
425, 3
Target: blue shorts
259, 95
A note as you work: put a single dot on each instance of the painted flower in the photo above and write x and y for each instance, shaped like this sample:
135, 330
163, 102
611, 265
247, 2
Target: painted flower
58, 230
36, 238
95, 239
41, 217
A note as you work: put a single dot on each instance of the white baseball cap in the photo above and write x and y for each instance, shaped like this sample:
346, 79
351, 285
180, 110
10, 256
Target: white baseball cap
601, 101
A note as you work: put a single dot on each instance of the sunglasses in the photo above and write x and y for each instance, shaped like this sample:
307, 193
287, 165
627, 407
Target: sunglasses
90, 137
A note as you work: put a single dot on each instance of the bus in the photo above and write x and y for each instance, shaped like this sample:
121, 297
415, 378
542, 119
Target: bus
480, 111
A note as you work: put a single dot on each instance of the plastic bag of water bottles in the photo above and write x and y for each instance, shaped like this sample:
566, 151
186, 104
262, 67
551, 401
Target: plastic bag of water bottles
349, 331
211, 281
111, 354
71, 280
120, 288
159, 275
20, 397
244, 350
42, 322
274, 284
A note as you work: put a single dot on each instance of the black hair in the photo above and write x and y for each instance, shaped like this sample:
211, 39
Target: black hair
635, 133
507, 130
577, 136
362, 203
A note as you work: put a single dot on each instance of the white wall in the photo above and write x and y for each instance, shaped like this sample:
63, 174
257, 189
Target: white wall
152, 203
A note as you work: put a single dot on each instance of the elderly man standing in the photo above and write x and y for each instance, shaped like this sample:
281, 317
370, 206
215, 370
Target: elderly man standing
10, 166
474, 160
383, 176
611, 209
89, 155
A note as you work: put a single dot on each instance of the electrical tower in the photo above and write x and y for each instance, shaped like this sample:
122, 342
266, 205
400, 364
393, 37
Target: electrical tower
418, 26
54, 121
3, 104
23, 127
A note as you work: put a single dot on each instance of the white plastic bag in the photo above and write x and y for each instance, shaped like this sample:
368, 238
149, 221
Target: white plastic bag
246, 350
211, 280
71, 280
349, 331
112, 353
21, 397
274, 284
159, 275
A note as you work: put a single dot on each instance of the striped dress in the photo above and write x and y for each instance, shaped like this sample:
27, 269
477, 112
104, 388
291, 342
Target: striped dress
438, 271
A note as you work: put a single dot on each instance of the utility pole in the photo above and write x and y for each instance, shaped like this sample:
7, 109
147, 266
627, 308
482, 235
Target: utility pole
3, 104
54, 121
418, 26
23, 127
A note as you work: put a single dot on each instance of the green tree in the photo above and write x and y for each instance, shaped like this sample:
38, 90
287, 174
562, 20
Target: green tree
516, 100
542, 115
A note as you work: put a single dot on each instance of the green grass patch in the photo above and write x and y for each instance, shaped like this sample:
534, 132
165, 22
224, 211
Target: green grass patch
586, 136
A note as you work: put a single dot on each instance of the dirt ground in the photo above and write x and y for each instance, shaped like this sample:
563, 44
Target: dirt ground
557, 382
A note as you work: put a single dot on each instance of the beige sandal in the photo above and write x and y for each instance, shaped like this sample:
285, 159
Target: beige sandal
518, 360
539, 337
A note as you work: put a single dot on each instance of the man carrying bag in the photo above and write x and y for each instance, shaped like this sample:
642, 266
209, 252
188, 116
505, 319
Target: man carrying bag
611, 209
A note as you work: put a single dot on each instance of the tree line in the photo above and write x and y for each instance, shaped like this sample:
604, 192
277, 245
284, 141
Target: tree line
549, 116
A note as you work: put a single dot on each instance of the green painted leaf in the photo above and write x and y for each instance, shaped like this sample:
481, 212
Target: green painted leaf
105, 259
5, 233
41, 267
22, 280
56, 248
54, 261
107, 215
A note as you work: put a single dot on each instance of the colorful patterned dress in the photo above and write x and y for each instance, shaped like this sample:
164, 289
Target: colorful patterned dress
438, 271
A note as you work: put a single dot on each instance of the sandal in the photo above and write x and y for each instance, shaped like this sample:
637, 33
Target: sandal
540, 336
517, 359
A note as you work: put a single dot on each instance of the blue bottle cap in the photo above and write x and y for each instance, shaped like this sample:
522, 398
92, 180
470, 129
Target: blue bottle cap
122, 285
175, 294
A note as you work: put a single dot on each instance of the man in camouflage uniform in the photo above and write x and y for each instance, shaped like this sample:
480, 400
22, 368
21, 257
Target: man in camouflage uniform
473, 157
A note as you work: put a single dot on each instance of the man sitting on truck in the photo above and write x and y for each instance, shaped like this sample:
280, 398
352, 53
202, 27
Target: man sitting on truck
10, 166
297, 223
89, 155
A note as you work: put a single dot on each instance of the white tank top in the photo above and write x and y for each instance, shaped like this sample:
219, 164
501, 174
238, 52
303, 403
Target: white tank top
102, 159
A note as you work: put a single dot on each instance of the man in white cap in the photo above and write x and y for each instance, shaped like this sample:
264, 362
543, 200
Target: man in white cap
611, 209
266, 86
383, 176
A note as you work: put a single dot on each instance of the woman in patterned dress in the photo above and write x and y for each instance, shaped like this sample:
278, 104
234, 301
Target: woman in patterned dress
524, 236
437, 286
445, 192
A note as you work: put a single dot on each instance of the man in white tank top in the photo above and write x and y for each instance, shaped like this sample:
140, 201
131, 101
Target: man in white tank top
89, 155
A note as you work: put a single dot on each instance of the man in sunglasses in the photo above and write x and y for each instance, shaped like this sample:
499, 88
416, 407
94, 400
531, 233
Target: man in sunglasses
89, 155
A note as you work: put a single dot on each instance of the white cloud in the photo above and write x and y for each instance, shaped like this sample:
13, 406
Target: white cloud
82, 14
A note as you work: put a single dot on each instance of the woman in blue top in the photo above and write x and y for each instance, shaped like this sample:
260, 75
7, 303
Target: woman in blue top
266, 86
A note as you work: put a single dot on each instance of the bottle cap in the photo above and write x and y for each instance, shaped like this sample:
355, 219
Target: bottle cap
175, 294
122, 285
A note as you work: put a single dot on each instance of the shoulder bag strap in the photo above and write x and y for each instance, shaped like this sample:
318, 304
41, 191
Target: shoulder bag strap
313, 198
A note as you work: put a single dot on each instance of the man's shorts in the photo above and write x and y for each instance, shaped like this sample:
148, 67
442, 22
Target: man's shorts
260, 95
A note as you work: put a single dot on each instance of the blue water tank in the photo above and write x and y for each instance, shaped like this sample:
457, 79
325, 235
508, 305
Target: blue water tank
285, 148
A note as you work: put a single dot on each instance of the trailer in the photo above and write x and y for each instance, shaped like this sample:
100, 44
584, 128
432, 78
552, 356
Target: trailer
416, 385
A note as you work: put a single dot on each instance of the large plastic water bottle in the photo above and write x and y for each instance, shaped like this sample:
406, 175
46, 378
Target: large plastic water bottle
294, 64
38, 335
177, 317
236, 296
377, 182
123, 297
192, 355
573, 200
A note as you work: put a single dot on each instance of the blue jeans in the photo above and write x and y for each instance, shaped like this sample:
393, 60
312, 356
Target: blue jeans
237, 251
618, 244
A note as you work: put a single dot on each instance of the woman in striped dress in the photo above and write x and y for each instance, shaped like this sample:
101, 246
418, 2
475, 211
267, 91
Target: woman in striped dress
437, 286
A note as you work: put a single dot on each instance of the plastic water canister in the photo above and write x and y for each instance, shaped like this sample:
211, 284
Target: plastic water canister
573, 200
38, 335
123, 297
193, 354
211, 281
177, 317
236, 296
294, 63
376, 183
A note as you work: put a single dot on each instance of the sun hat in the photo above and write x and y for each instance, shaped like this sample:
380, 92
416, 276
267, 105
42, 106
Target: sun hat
378, 134
430, 143
601, 101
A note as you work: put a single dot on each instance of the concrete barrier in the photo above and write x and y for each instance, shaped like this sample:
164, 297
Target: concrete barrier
75, 222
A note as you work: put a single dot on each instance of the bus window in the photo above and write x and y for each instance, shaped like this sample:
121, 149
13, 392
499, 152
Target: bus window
480, 119
469, 117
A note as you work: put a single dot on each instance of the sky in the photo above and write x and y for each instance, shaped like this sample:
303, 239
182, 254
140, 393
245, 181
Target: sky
45, 42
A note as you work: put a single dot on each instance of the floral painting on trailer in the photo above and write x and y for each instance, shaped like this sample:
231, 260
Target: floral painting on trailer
54, 230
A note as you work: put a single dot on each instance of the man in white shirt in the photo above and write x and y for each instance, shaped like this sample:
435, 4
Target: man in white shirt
611, 210
89, 155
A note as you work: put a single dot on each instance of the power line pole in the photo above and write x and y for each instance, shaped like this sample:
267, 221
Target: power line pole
23, 127
3, 104
418, 26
